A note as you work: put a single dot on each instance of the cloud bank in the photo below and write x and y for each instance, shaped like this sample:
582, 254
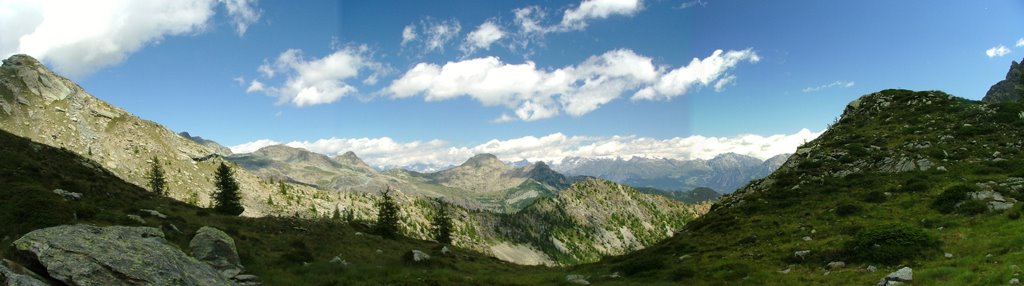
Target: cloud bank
316, 81
534, 93
553, 148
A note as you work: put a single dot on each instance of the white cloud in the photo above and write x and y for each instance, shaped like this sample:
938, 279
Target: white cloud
690, 4
997, 51
254, 86
243, 13
1020, 43
838, 83
317, 80
577, 18
239, 79
721, 83
700, 72
252, 146
535, 93
80, 37
435, 34
483, 37
385, 151
408, 34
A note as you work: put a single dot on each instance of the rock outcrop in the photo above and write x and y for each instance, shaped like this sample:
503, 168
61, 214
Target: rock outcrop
115, 255
12, 274
1009, 89
216, 248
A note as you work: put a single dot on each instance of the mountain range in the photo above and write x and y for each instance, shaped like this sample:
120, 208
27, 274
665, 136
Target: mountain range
724, 173
490, 198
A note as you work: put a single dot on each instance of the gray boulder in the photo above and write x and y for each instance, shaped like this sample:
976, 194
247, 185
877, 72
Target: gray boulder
68, 195
115, 255
418, 256
577, 279
12, 274
216, 248
902, 276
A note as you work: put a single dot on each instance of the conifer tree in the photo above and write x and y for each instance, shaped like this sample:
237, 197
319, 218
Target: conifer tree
227, 200
337, 214
157, 183
442, 223
387, 215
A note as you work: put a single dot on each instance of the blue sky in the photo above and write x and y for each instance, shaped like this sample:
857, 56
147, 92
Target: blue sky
797, 64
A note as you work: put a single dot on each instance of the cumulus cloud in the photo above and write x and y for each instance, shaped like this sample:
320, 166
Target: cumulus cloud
79, 37
835, 84
997, 51
721, 83
551, 148
317, 80
435, 34
483, 37
577, 18
1020, 43
535, 93
243, 13
252, 146
700, 72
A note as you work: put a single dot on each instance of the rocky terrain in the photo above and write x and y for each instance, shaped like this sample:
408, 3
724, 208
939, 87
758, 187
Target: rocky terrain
282, 181
725, 173
1009, 89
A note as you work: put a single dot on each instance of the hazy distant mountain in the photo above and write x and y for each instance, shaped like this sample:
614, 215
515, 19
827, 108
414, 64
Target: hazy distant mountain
724, 173
210, 144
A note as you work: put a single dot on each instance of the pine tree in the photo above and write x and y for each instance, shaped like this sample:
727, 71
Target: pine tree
350, 215
442, 223
227, 200
387, 215
337, 214
156, 178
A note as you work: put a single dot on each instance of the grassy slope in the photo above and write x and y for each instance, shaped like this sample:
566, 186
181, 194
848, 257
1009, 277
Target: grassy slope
748, 237
273, 248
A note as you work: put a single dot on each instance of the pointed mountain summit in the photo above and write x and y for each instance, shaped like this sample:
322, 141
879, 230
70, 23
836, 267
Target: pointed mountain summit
1009, 89
214, 147
350, 159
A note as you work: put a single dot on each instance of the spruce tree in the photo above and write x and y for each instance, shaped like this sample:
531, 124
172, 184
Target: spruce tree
157, 183
337, 214
227, 200
387, 215
442, 223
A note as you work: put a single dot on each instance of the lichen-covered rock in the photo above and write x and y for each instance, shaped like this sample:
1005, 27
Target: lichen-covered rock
115, 255
417, 256
12, 274
216, 248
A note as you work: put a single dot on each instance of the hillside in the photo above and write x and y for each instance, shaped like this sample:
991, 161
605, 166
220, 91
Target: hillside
281, 251
919, 179
723, 173
46, 108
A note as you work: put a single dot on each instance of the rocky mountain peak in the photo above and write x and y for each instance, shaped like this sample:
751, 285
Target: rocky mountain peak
481, 160
1009, 89
350, 159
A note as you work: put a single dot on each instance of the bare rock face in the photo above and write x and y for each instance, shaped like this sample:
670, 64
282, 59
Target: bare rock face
1009, 89
12, 274
216, 248
116, 255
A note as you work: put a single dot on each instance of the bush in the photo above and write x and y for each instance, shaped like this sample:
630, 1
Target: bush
914, 185
847, 210
972, 207
1014, 215
874, 197
948, 200
639, 265
890, 244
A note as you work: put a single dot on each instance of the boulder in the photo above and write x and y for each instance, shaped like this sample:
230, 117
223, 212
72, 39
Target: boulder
216, 248
577, 279
901, 276
68, 195
154, 213
114, 255
418, 256
12, 274
836, 265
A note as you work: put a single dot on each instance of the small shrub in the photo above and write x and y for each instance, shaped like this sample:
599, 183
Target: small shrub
847, 210
948, 200
639, 265
1014, 215
890, 244
874, 197
915, 185
972, 207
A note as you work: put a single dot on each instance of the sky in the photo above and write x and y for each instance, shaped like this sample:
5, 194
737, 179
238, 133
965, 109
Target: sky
434, 82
